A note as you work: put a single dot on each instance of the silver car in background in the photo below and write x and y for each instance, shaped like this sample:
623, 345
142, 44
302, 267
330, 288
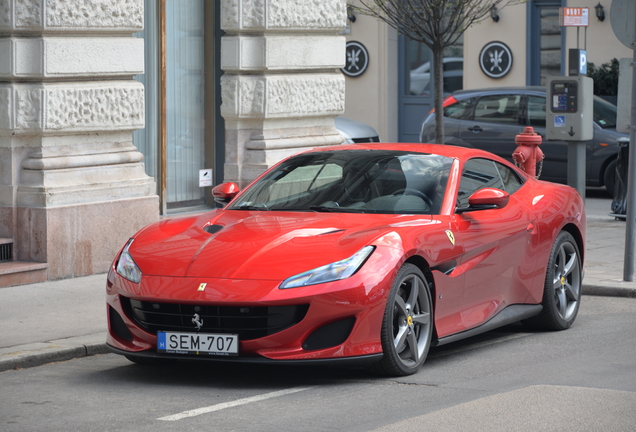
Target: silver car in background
355, 132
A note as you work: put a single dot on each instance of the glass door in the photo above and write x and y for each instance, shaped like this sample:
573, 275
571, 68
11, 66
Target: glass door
185, 97
415, 88
416, 96
181, 89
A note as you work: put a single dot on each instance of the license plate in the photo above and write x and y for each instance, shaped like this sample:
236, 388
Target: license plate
197, 343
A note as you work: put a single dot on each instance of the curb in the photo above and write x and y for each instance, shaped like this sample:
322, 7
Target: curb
37, 354
608, 291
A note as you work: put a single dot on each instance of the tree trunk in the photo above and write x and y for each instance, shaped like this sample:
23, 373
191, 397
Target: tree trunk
438, 77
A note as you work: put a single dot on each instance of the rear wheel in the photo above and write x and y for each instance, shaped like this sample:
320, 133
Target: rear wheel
562, 288
407, 327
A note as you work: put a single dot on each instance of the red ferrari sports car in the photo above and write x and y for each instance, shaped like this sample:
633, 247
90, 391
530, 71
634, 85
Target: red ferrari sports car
368, 253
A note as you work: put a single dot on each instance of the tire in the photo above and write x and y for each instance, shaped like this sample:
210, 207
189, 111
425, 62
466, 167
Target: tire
407, 326
609, 178
562, 288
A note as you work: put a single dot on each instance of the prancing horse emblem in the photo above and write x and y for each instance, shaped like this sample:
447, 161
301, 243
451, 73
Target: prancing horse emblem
197, 321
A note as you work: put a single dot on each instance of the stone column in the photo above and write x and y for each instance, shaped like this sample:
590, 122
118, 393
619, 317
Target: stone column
282, 86
72, 185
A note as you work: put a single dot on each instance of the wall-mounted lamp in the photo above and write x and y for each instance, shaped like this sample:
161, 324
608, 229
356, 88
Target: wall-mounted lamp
600, 12
350, 14
493, 14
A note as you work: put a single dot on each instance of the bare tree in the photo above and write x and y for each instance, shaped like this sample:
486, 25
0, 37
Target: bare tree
436, 23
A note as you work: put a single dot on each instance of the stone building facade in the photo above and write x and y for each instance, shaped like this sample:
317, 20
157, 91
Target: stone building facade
73, 184
281, 88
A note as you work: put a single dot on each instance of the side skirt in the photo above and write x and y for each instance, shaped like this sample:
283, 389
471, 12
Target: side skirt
510, 314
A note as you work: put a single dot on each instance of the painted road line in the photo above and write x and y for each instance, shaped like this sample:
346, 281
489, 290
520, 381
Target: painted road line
218, 407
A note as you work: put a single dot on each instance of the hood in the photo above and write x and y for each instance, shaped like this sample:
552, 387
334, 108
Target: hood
254, 245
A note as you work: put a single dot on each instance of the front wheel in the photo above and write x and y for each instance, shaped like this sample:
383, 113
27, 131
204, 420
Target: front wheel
562, 288
407, 327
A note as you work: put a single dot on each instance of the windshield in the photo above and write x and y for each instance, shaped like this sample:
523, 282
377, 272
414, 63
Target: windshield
352, 181
604, 113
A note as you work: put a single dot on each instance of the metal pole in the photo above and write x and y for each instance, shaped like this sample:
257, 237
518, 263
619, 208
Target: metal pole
628, 263
576, 166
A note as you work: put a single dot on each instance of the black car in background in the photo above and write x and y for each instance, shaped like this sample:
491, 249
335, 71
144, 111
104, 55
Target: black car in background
489, 119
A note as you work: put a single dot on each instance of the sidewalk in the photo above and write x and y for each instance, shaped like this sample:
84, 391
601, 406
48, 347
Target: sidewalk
61, 320
605, 252
52, 321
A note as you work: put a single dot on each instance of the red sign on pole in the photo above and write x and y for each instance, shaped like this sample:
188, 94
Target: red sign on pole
574, 16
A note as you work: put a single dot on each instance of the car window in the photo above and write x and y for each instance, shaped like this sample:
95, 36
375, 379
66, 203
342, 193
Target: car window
536, 111
511, 181
458, 109
454, 65
481, 173
498, 109
604, 113
352, 181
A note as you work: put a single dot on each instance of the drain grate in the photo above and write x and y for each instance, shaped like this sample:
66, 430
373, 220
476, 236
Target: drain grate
6, 252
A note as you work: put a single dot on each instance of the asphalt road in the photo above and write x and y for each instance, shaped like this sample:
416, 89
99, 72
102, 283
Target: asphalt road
582, 379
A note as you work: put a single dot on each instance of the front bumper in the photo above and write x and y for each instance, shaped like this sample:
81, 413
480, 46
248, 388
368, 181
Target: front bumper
360, 299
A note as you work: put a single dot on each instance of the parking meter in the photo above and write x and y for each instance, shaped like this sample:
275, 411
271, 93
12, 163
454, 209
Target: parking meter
570, 108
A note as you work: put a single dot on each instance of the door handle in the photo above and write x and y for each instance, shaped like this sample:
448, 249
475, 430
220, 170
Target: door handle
475, 129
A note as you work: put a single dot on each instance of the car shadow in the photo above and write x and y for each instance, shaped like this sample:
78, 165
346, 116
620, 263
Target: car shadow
597, 192
193, 373
482, 341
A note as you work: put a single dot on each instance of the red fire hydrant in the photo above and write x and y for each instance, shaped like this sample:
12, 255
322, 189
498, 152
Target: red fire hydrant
528, 152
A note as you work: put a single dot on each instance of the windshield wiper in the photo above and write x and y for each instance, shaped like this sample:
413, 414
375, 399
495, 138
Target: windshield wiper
337, 209
251, 207
324, 208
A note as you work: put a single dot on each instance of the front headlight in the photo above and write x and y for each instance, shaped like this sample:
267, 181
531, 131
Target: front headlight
126, 266
330, 272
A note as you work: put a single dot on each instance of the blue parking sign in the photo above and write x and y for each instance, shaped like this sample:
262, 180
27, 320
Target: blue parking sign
559, 121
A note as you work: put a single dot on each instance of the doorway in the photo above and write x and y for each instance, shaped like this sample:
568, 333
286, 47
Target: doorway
546, 42
415, 84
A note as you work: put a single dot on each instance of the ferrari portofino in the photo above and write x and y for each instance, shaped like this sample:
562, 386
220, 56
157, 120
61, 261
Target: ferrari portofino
367, 253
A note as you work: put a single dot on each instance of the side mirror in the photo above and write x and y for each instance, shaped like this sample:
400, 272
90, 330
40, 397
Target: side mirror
486, 199
225, 192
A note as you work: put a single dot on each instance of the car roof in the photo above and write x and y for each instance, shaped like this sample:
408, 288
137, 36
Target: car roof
462, 153
463, 94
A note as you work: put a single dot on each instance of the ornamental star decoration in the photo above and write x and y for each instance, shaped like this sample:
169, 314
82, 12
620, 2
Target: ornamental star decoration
353, 57
496, 59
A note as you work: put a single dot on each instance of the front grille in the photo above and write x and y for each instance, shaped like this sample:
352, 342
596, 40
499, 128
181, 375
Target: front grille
248, 322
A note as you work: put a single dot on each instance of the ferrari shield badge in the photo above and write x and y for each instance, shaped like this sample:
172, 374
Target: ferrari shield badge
202, 287
451, 237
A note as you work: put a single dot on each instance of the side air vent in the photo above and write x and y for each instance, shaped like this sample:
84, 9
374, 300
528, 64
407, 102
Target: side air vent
330, 335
